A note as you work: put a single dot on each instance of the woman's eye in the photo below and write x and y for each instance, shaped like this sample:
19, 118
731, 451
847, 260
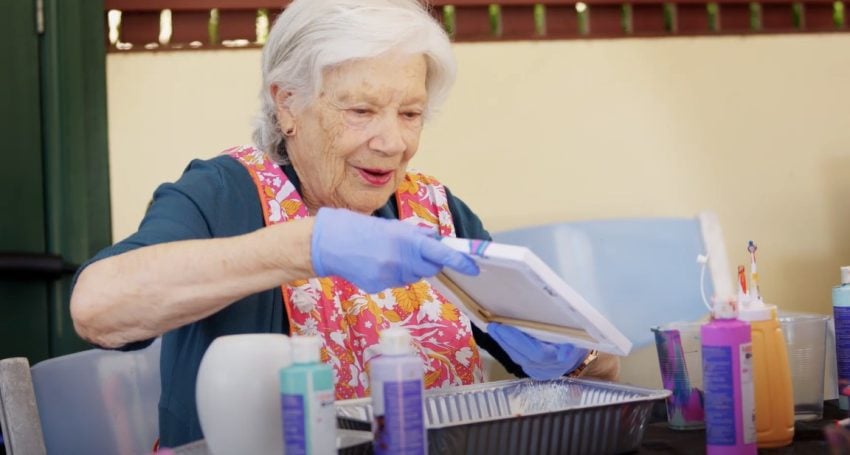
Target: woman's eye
412, 115
360, 111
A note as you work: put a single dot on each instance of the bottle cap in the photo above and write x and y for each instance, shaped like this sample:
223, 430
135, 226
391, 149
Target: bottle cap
395, 341
724, 307
755, 310
845, 274
306, 349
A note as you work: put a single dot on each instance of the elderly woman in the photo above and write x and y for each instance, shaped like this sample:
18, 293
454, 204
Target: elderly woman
318, 228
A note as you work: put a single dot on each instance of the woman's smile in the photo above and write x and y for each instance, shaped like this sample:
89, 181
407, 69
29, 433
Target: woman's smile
375, 177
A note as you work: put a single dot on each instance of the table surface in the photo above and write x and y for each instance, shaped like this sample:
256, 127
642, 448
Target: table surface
808, 436
659, 439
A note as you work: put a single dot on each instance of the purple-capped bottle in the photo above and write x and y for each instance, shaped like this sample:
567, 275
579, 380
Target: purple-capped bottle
841, 311
396, 380
727, 350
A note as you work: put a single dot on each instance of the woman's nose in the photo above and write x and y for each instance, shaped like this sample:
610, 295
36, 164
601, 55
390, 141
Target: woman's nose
388, 138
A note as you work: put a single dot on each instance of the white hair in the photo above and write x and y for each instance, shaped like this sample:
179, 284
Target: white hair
313, 35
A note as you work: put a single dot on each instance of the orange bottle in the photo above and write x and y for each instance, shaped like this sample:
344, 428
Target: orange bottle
771, 376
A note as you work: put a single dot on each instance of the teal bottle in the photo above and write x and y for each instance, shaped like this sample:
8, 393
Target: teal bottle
307, 401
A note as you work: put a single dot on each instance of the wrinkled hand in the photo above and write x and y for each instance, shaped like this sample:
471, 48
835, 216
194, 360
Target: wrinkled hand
376, 254
539, 359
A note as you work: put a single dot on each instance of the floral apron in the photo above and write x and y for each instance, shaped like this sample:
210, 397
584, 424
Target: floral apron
348, 319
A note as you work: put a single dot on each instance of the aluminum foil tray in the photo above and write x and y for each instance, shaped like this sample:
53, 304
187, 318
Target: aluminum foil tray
565, 416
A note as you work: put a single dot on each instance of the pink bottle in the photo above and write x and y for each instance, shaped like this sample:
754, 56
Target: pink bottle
727, 350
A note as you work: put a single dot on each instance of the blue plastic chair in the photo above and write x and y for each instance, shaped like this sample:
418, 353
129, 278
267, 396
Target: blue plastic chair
639, 273
99, 401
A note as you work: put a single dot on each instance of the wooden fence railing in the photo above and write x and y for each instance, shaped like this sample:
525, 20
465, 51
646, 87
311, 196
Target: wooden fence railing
194, 24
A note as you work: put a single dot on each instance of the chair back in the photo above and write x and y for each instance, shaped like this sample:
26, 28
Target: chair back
638, 273
19, 423
99, 401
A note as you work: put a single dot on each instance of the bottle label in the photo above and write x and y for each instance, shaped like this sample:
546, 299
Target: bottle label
719, 395
401, 429
304, 427
294, 421
748, 401
842, 347
322, 418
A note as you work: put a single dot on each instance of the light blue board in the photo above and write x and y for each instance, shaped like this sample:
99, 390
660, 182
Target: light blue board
639, 273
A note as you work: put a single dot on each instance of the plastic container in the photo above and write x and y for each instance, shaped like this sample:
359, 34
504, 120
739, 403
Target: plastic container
728, 382
396, 380
805, 338
237, 383
307, 401
841, 311
680, 360
771, 375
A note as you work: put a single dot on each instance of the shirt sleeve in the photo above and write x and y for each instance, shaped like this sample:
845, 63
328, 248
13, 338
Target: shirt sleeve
178, 211
469, 226
190, 208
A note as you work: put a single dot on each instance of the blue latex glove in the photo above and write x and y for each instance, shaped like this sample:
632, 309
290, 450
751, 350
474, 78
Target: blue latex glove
539, 359
376, 254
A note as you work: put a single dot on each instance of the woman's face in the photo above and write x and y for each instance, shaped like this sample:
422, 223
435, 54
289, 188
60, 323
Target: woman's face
350, 147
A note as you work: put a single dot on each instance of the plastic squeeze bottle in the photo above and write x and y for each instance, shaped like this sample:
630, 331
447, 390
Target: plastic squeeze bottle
771, 375
307, 401
841, 311
728, 382
396, 380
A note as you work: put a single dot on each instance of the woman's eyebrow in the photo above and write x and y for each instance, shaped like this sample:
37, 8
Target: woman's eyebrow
416, 99
352, 96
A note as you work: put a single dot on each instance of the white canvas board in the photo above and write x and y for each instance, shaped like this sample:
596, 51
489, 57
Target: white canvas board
515, 287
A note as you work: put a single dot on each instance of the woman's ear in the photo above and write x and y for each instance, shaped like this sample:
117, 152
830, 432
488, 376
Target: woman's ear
283, 102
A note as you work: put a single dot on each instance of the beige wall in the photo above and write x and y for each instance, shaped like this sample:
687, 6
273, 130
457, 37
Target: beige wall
756, 129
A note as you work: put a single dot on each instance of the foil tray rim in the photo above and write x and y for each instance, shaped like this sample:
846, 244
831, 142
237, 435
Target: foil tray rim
644, 395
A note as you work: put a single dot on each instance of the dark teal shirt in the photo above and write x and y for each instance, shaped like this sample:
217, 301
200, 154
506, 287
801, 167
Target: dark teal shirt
217, 198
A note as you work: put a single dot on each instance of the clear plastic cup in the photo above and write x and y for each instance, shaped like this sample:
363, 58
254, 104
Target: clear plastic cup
680, 360
805, 337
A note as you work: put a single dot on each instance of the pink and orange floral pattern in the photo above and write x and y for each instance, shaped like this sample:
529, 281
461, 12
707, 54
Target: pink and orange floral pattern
349, 319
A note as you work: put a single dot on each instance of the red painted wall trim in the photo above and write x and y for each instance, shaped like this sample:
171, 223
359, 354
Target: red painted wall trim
489, 20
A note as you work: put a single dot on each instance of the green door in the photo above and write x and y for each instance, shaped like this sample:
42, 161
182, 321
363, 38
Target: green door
54, 188
23, 303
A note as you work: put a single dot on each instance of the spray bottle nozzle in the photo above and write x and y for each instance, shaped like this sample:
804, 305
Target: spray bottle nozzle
752, 307
724, 307
703, 259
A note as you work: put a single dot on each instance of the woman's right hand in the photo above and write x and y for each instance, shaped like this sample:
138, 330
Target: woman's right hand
376, 254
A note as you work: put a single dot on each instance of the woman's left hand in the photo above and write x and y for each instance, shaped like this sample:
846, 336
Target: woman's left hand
539, 359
